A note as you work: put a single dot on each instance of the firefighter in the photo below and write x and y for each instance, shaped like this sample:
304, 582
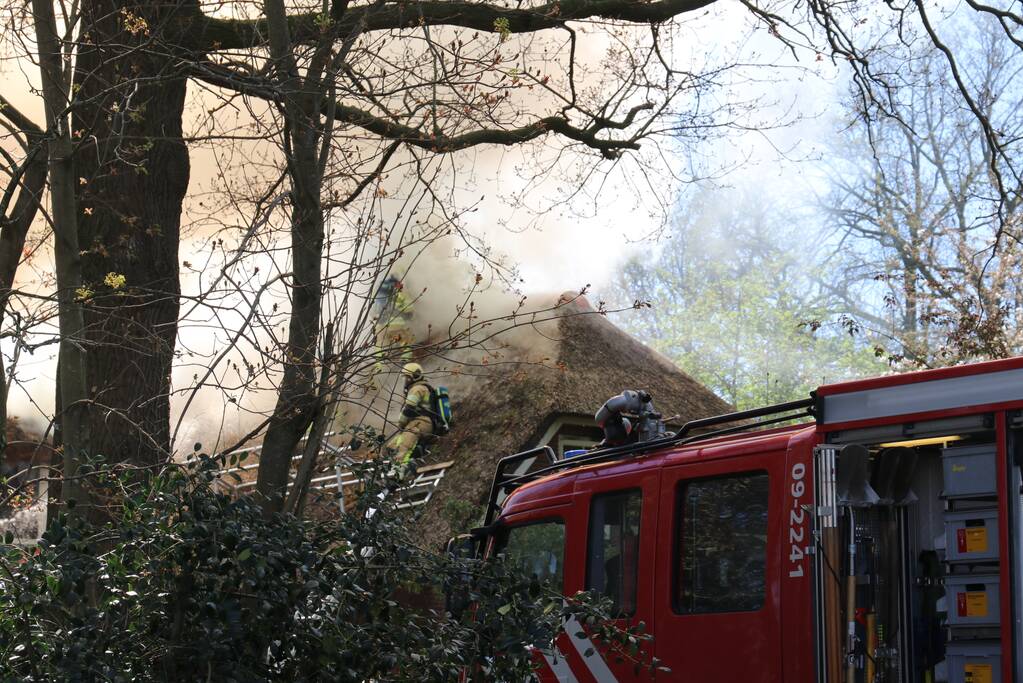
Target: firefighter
415, 425
392, 329
393, 326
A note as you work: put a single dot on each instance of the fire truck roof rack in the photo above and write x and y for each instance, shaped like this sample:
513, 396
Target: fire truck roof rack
507, 479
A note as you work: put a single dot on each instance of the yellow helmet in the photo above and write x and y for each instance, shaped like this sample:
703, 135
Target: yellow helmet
412, 371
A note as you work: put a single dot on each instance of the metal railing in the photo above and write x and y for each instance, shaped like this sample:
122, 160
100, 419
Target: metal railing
416, 493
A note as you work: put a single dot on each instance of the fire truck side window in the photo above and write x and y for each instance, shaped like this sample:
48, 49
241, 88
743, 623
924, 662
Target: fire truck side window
722, 545
538, 549
613, 557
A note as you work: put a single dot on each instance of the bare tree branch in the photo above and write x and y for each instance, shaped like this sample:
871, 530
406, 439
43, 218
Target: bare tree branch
211, 33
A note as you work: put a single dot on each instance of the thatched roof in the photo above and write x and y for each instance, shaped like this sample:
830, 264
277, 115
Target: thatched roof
510, 412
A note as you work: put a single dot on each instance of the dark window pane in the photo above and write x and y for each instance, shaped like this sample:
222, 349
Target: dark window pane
538, 549
613, 560
722, 545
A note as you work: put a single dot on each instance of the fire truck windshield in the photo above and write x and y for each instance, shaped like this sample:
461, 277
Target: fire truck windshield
537, 548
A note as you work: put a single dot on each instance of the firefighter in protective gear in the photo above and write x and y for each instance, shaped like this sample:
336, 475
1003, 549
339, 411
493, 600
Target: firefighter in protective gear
415, 425
394, 320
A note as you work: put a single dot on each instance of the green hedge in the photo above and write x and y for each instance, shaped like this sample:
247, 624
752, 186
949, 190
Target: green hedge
183, 583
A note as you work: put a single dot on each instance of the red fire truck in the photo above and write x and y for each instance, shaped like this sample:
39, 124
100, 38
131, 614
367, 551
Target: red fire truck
878, 539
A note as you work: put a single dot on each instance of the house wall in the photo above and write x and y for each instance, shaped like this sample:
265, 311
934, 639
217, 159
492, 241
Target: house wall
566, 432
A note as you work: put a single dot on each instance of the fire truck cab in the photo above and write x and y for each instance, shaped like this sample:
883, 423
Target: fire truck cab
878, 539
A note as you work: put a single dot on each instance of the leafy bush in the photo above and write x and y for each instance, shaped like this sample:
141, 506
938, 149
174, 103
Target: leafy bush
184, 583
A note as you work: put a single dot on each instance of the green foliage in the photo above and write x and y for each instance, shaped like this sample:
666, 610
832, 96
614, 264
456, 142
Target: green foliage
183, 583
503, 28
733, 301
462, 515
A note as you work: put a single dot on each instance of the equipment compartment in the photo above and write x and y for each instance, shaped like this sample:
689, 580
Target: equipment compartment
908, 579
969, 471
972, 599
974, 662
971, 536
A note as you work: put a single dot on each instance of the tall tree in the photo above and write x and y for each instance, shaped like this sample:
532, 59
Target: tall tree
882, 48
131, 68
71, 368
915, 214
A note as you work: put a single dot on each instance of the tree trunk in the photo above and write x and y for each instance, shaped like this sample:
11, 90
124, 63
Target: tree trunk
133, 172
71, 377
326, 400
296, 400
14, 225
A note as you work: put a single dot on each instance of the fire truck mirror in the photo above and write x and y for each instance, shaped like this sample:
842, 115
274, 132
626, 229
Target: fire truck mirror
462, 547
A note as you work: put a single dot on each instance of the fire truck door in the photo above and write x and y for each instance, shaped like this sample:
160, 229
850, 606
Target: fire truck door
717, 591
621, 538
